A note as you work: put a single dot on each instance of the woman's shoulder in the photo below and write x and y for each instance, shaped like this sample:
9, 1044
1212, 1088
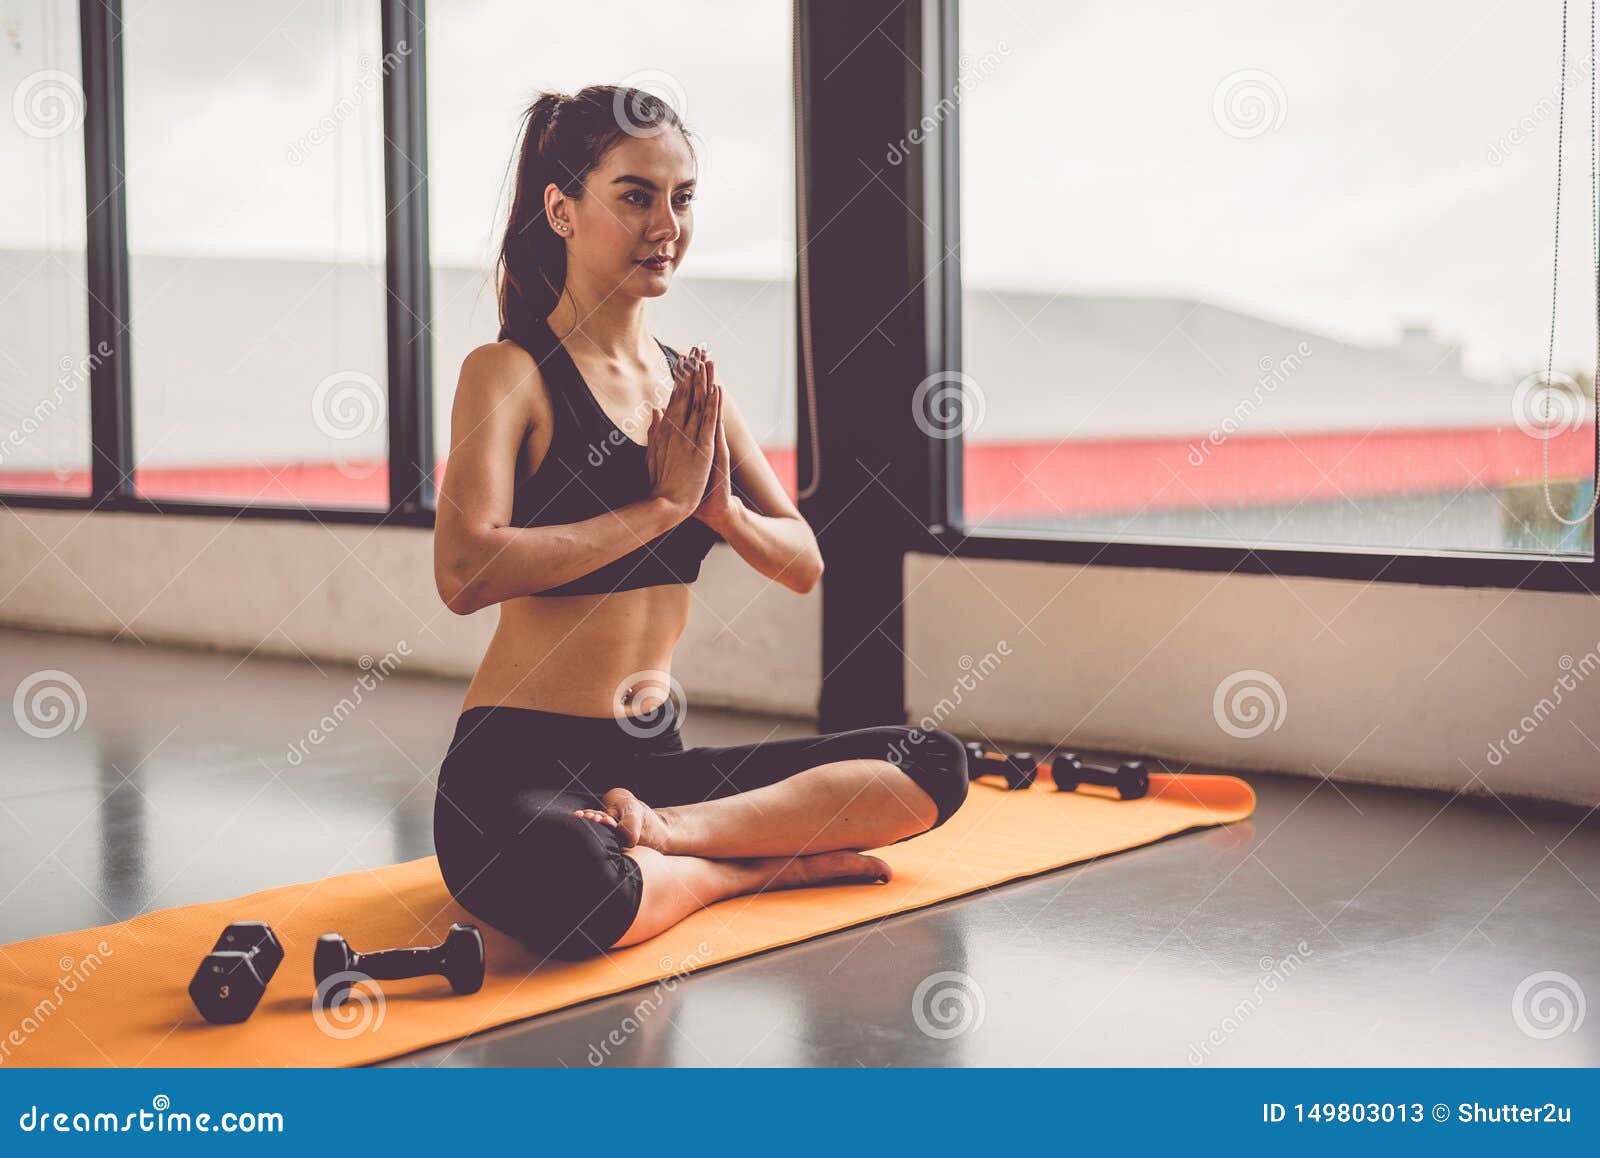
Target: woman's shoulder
501, 368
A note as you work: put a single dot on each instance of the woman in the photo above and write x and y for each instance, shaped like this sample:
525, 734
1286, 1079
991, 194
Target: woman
591, 468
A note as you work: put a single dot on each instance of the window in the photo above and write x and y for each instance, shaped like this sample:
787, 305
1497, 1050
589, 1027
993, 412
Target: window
256, 240
1264, 274
45, 361
725, 68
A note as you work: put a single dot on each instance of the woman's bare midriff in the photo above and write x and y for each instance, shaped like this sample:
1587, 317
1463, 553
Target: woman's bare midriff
578, 654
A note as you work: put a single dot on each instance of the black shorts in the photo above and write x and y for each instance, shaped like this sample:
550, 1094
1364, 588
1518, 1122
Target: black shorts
513, 854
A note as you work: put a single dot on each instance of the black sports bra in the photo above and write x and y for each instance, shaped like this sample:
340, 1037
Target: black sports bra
592, 467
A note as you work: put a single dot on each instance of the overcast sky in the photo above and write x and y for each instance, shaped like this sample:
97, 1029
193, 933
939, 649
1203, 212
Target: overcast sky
1381, 185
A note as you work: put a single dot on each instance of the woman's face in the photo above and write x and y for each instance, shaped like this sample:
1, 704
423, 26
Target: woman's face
637, 205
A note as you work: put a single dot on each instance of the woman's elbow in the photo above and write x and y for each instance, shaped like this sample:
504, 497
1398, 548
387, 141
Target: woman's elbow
459, 583
456, 594
806, 580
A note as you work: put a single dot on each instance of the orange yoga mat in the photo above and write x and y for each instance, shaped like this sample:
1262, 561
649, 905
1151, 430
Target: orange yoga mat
117, 995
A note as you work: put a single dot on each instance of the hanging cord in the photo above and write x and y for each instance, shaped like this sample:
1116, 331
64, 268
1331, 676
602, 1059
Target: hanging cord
808, 383
1594, 211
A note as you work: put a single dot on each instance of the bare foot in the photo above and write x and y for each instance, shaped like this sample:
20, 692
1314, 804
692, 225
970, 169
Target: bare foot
635, 821
823, 868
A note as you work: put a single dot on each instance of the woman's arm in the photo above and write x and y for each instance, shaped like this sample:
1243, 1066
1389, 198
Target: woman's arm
478, 559
772, 536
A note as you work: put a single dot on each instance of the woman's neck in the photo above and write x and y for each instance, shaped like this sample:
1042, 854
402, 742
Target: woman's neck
612, 329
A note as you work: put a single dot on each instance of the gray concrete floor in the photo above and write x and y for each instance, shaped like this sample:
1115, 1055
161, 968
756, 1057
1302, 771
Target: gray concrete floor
1341, 925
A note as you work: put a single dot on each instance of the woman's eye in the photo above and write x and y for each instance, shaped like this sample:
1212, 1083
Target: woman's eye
685, 198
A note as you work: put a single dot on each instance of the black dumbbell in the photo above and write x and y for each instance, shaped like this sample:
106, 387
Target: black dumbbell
230, 981
1129, 778
459, 960
1019, 768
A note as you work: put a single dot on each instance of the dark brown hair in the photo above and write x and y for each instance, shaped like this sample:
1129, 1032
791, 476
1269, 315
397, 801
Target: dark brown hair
562, 139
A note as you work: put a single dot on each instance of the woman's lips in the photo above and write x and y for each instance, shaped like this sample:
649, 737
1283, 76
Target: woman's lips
656, 263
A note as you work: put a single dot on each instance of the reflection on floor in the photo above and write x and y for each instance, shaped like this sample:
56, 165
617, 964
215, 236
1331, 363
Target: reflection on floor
1341, 925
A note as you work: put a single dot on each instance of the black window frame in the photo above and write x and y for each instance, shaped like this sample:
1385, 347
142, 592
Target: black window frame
950, 535
923, 37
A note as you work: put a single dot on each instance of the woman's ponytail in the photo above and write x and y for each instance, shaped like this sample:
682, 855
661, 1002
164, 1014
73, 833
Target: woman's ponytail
563, 138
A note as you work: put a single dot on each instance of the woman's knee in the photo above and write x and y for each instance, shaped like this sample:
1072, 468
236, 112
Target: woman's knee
937, 762
561, 885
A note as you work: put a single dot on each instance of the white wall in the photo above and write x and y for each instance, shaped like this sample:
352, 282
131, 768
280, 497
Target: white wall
1384, 683
338, 592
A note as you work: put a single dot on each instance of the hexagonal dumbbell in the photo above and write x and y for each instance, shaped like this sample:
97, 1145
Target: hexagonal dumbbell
1130, 778
1018, 768
459, 960
230, 981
